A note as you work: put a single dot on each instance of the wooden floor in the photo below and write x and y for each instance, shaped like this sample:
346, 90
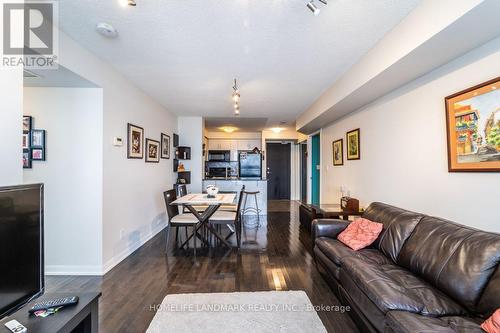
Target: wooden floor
274, 256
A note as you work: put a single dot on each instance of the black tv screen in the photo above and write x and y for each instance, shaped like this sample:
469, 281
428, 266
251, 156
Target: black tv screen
21, 245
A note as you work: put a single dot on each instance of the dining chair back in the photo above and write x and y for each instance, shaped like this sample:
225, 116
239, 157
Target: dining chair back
180, 189
172, 210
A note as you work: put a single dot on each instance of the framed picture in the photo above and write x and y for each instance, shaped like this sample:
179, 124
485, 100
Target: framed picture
135, 141
26, 159
26, 141
27, 123
353, 146
176, 140
38, 154
165, 146
338, 152
473, 128
152, 151
37, 138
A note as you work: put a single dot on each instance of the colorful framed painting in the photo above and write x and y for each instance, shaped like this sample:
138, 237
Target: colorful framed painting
152, 151
135, 141
338, 152
165, 146
473, 128
353, 145
38, 154
26, 159
27, 123
38, 138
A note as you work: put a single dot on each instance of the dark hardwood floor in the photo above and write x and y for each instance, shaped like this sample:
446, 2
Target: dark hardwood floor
274, 256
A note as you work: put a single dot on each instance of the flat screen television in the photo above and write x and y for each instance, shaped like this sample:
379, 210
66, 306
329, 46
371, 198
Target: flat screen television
21, 246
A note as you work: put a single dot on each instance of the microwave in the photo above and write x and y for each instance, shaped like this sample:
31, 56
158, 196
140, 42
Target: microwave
219, 155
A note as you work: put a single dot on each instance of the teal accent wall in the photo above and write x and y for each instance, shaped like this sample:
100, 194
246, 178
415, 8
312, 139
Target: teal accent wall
315, 183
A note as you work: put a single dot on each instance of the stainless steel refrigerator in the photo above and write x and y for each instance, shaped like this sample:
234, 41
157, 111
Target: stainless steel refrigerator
250, 165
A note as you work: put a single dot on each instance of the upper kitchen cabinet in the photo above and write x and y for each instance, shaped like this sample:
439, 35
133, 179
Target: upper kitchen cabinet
219, 144
249, 144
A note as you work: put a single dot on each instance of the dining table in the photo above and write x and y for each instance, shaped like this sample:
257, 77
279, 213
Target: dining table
211, 205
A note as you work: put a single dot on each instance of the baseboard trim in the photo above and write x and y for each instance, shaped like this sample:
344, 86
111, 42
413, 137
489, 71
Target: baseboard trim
73, 270
97, 270
124, 254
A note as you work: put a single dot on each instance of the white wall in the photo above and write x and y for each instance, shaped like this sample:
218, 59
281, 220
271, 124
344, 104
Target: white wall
133, 208
72, 175
11, 113
191, 132
403, 148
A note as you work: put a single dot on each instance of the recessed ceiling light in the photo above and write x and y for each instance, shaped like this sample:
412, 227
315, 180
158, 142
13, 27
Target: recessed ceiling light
277, 130
494, 87
106, 30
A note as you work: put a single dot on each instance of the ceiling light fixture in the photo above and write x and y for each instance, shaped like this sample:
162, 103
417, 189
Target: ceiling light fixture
125, 3
228, 129
312, 7
277, 130
236, 98
325, 2
106, 30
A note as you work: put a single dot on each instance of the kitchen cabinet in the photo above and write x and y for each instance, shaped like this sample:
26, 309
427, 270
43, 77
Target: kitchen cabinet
249, 144
218, 144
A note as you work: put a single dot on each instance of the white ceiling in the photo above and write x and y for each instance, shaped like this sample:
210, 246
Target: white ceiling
185, 53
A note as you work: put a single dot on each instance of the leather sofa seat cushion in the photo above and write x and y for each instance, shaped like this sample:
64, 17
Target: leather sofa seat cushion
456, 259
407, 322
391, 287
327, 263
337, 252
398, 226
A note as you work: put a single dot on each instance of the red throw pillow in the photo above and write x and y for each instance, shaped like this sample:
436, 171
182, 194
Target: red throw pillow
360, 233
492, 324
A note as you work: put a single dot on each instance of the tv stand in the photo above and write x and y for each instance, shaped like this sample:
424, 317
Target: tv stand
80, 318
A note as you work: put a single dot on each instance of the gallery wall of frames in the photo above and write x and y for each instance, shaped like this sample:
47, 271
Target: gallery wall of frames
153, 149
34, 143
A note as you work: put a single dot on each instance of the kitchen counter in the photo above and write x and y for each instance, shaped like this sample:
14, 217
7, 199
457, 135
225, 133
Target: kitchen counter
251, 185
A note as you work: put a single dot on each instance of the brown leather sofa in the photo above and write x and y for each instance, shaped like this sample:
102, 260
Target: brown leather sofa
422, 274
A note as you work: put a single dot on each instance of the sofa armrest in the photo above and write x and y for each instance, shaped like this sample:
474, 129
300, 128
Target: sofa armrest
327, 228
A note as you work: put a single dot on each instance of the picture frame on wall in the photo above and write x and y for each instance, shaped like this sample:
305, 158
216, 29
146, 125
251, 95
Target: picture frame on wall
473, 128
338, 152
27, 124
152, 151
26, 141
38, 154
353, 144
165, 146
135, 141
27, 159
38, 138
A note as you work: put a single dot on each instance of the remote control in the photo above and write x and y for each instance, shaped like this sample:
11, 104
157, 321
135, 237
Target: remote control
16, 327
55, 303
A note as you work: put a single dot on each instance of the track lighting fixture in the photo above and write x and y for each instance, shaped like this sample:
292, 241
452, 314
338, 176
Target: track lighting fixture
312, 7
236, 98
126, 3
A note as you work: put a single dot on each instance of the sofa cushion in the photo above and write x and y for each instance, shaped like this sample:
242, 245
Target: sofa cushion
456, 259
360, 233
492, 324
398, 226
337, 252
391, 287
402, 322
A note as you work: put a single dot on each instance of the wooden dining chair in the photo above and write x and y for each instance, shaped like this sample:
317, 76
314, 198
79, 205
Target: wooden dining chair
177, 220
230, 218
